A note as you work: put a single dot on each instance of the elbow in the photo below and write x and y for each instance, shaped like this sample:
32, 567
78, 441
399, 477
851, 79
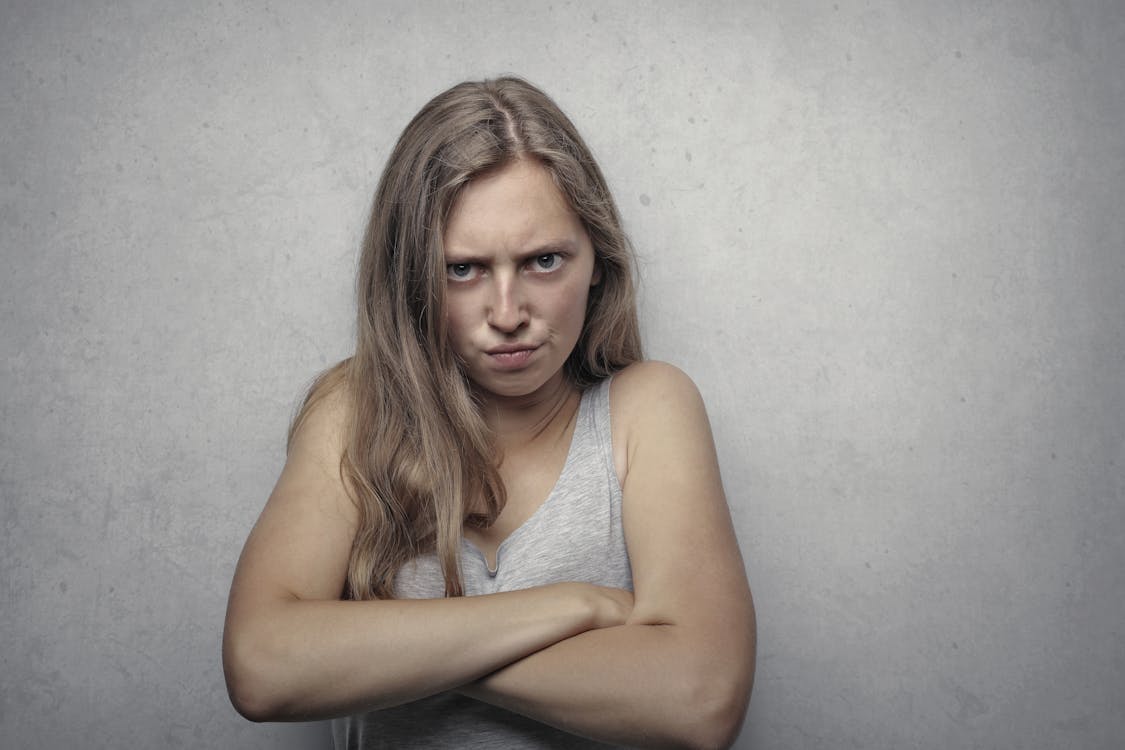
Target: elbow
710, 691
724, 726
715, 695
251, 703
251, 684
714, 715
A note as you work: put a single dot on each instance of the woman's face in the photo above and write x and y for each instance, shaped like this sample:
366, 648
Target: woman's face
519, 268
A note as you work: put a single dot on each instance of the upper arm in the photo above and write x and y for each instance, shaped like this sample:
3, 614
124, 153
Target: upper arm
687, 569
300, 546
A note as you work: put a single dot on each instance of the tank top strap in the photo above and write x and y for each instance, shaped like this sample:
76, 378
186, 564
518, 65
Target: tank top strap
598, 428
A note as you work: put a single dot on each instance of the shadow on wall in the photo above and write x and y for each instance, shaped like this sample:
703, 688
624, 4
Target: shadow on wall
314, 736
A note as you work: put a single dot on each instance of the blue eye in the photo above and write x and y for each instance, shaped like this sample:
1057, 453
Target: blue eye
547, 262
459, 270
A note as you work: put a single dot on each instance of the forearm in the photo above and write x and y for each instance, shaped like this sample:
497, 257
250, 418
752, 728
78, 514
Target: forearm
294, 660
641, 685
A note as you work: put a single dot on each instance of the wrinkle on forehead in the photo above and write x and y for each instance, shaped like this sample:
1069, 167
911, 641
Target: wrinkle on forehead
513, 210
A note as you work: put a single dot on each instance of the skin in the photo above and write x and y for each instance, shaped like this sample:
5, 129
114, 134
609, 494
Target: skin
519, 269
670, 665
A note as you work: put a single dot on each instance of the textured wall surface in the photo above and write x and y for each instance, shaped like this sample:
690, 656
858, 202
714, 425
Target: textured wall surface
887, 239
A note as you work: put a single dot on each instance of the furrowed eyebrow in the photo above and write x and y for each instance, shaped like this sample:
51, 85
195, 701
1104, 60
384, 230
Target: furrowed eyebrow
457, 257
563, 246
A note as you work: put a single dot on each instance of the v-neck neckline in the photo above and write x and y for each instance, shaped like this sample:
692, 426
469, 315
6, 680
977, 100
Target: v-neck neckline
493, 568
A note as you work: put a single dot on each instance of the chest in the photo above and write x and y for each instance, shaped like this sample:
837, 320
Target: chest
530, 474
563, 520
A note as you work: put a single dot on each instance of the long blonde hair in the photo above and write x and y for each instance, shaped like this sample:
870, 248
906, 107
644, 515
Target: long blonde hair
419, 461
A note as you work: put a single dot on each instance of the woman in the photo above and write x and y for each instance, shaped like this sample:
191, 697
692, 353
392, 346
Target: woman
443, 561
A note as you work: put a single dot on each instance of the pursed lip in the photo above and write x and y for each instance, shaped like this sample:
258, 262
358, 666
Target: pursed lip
509, 348
511, 357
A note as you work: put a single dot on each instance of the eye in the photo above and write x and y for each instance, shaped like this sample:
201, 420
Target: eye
546, 262
459, 271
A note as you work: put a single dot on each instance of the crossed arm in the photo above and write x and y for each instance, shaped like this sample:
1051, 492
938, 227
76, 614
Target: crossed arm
671, 665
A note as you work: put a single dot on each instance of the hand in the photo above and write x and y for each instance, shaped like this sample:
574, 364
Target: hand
601, 607
611, 606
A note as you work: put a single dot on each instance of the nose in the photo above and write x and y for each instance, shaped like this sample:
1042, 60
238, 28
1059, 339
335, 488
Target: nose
507, 310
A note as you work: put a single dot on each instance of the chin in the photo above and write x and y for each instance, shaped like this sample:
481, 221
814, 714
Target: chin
513, 388
515, 385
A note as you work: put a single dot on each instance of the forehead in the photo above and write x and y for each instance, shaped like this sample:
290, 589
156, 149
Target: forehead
513, 209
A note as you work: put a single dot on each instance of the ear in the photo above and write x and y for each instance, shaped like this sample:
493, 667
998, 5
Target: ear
596, 278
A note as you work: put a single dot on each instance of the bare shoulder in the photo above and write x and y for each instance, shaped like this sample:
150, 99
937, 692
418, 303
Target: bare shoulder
322, 422
653, 401
644, 392
652, 378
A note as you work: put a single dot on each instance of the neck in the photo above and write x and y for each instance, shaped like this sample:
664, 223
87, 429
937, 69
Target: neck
545, 414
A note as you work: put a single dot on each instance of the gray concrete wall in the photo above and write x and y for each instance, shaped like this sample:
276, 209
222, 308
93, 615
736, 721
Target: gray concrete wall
887, 239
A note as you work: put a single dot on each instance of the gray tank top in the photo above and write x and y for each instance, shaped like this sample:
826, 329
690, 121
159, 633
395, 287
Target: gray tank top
575, 535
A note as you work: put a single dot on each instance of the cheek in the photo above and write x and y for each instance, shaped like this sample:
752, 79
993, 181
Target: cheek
571, 305
456, 321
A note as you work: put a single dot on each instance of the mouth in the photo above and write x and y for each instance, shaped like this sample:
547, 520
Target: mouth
511, 356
